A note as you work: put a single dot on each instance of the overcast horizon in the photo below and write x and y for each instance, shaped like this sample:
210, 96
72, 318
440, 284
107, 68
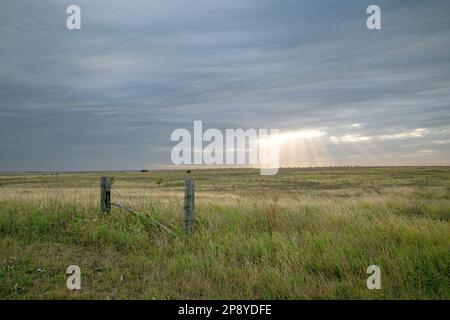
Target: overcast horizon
108, 96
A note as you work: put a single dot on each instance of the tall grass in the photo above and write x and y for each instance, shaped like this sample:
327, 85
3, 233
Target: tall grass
280, 242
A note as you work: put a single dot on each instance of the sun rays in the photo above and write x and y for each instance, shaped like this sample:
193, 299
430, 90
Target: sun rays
328, 147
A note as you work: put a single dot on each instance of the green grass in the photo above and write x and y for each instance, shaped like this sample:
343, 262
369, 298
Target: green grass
302, 234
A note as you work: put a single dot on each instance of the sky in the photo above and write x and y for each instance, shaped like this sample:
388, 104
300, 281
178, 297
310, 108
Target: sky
108, 96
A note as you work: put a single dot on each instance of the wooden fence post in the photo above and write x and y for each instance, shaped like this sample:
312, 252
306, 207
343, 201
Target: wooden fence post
189, 205
105, 194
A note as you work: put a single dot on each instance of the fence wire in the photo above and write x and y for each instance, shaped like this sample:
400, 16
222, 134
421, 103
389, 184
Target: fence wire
124, 205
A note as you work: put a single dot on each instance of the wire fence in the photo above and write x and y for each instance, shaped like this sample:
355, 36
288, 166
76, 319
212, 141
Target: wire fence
123, 205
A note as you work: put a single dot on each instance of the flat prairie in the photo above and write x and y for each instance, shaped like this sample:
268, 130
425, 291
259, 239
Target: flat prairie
305, 233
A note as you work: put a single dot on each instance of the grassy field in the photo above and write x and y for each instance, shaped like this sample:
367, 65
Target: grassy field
302, 234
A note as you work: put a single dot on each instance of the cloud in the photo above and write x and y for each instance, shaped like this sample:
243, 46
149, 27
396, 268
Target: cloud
351, 138
137, 71
417, 133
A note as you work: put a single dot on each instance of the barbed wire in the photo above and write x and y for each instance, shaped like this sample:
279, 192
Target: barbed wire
123, 205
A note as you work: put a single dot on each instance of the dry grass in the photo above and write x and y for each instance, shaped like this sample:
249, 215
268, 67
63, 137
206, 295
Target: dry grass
303, 234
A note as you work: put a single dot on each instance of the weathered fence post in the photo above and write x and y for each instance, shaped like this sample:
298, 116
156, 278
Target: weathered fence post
189, 205
105, 194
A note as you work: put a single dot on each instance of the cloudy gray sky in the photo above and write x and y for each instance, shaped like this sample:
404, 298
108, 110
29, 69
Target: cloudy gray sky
108, 96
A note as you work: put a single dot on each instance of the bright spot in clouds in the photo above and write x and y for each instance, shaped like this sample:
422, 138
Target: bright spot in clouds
350, 138
292, 136
419, 132
299, 135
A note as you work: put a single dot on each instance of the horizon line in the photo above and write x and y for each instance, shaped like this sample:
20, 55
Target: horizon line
222, 168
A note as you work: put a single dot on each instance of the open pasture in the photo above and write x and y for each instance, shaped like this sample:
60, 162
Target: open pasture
302, 234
